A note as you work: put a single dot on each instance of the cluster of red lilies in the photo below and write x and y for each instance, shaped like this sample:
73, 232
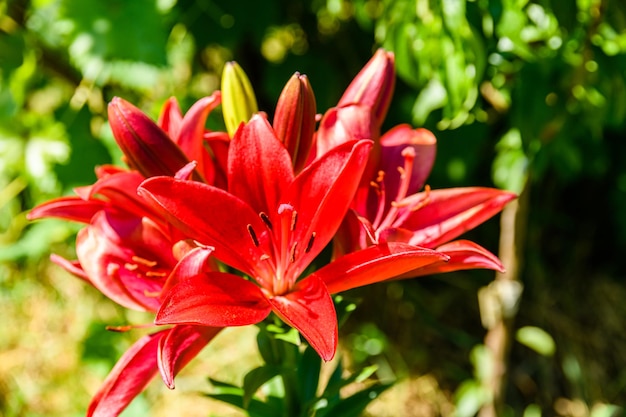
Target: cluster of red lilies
264, 200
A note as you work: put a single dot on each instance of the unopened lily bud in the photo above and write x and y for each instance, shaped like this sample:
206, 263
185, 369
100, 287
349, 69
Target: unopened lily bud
294, 121
373, 85
238, 99
146, 147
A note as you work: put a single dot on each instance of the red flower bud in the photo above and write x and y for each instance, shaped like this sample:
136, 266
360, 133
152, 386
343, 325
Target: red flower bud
147, 148
294, 121
373, 85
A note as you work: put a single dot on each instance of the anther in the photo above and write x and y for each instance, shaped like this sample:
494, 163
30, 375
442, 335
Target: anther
292, 257
143, 261
152, 274
131, 267
309, 245
266, 220
253, 235
294, 219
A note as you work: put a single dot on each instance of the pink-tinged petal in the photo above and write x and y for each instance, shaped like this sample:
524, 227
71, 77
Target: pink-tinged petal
373, 85
375, 264
170, 117
146, 146
67, 208
453, 211
214, 299
211, 216
322, 194
179, 346
394, 144
191, 135
309, 309
463, 254
128, 378
73, 267
343, 124
127, 258
259, 166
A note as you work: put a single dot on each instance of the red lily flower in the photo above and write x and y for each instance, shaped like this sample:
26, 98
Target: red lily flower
270, 225
129, 252
388, 206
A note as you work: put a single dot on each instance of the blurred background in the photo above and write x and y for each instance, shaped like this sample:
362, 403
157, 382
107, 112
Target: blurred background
524, 95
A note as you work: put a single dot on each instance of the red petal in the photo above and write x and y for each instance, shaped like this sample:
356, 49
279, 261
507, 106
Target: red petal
114, 252
322, 194
393, 143
191, 135
463, 254
67, 208
179, 346
342, 124
214, 299
259, 166
451, 212
170, 117
309, 309
128, 378
374, 264
212, 217
194, 262
73, 267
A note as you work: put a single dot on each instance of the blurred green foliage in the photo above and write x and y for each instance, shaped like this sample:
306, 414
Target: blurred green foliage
526, 95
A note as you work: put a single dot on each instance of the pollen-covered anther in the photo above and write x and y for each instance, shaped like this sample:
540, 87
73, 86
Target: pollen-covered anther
252, 235
266, 220
309, 245
294, 219
131, 267
154, 274
292, 256
143, 261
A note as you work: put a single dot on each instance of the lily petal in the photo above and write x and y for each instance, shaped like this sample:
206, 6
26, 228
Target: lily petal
68, 208
309, 309
130, 375
214, 299
180, 345
126, 258
453, 211
170, 118
210, 217
393, 143
323, 192
259, 166
190, 138
375, 264
343, 124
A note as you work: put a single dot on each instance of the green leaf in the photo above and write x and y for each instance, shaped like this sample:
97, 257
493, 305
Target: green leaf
255, 379
354, 405
308, 374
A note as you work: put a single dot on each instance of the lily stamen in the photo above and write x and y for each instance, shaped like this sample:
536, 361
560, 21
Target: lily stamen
309, 245
266, 220
144, 261
252, 235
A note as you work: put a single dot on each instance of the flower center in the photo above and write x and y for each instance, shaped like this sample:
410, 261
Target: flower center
402, 205
284, 250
